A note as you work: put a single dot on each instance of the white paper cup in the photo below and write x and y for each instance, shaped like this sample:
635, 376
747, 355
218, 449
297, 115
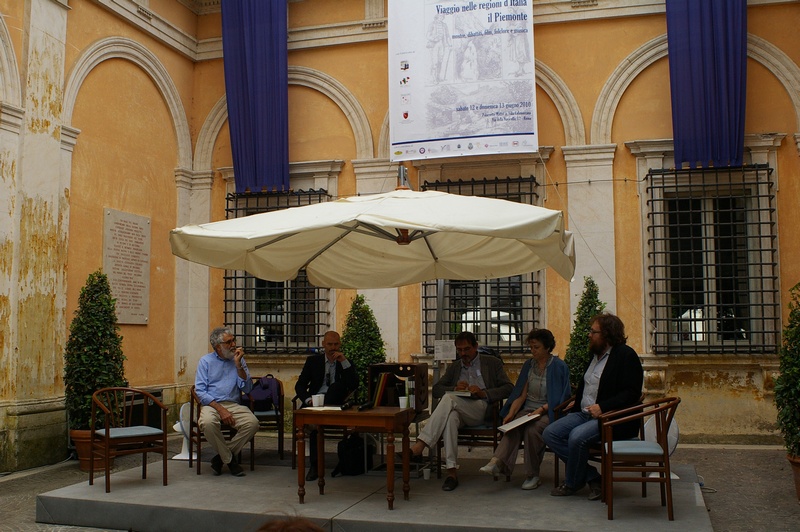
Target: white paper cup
426, 473
318, 399
403, 401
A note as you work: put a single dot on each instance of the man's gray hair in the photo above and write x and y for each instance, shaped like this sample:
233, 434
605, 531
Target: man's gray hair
216, 335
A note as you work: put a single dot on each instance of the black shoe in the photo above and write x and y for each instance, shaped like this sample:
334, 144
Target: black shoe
312, 473
236, 469
594, 490
450, 483
216, 465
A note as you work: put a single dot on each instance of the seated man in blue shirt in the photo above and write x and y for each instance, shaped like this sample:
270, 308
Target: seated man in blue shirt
222, 376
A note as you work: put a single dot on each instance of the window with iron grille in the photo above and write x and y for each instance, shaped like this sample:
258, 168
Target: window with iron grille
270, 317
500, 312
712, 267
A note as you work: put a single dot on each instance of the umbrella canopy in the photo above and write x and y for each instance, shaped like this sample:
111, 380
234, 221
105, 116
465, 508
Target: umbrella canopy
386, 240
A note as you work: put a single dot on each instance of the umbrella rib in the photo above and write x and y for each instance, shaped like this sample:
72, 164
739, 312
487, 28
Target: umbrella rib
347, 231
430, 248
265, 244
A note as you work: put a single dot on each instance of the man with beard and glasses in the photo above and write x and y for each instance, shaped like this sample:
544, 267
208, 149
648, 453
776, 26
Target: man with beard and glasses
222, 376
612, 381
482, 380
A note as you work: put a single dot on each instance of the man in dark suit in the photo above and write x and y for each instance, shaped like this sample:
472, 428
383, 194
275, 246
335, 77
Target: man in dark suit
612, 381
482, 380
331, 374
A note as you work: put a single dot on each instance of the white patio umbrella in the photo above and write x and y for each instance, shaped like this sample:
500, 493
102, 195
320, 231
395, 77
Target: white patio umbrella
386, 240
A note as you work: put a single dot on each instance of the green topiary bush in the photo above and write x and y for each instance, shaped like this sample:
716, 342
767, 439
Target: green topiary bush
362, 343
93, 356
787, 386
577, 355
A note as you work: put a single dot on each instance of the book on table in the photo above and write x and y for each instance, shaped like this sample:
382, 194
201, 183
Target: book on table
519, 421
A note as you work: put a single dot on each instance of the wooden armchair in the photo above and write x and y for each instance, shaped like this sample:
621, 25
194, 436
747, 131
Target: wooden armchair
196, 437
648, 458
271, 418
120, 427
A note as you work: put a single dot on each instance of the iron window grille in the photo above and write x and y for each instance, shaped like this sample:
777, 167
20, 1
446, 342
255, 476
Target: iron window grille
271, 317
712, 267
500, 312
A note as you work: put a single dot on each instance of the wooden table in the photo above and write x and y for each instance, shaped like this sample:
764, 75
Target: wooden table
384, 419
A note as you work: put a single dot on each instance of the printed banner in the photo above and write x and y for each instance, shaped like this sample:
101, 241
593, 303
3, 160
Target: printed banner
461, 78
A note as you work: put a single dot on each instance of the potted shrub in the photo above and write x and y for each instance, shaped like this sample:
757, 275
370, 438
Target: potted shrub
362, 343
93, 357
787, 386
577, 354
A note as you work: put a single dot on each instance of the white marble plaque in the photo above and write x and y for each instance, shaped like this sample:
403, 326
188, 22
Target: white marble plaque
126, 261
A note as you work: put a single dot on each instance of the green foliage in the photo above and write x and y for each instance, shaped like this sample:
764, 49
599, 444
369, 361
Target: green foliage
577, 355
362, 343
787, 386
93, 356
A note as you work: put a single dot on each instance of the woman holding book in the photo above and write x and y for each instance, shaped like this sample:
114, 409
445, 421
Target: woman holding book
543, 384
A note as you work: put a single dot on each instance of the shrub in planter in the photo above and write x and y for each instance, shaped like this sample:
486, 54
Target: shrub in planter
787, 386
362, 343
577, 354
93, 356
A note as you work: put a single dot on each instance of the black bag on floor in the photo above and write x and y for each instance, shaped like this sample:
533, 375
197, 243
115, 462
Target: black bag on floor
351, 456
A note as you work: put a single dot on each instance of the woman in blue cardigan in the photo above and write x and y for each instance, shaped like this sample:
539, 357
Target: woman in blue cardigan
543, 384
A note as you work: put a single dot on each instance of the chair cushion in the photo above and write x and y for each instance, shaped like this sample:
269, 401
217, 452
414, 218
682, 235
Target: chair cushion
131, 432
636, 447
265, 413
476, 427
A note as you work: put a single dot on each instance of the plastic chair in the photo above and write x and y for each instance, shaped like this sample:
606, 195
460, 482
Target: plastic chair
196, 437
119, 427
649, 458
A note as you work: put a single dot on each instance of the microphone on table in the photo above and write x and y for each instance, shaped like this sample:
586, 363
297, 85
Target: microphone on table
365, 406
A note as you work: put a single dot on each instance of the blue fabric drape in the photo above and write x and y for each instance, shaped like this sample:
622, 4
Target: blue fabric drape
707, 41
254, 44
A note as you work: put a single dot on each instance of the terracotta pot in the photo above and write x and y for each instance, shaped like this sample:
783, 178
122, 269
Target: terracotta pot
82, 440
795, 461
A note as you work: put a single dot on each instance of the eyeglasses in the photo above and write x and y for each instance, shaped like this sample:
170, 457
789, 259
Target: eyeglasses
594, 331
230, 342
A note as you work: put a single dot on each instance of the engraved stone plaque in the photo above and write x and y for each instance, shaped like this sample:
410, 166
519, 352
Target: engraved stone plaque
126, 261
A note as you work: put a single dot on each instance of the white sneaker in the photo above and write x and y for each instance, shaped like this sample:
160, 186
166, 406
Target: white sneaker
491, 469
531, 483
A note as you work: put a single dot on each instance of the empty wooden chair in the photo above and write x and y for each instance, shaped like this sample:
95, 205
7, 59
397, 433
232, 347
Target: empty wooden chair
120, 426
650, 459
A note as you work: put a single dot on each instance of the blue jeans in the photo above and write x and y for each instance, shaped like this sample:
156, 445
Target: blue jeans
570, 438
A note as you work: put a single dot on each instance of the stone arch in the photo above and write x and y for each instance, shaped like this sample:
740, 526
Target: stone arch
384, 142
618, 82
124, 48
208, 135
780, 65
341, 96
758, 49
565, 102
9, 73
306, 77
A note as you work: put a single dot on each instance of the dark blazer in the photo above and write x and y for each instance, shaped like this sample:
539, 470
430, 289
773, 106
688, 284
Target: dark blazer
498, 385
620, 387
312, 377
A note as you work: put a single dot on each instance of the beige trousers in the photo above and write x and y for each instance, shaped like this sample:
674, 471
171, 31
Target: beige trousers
246, 426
